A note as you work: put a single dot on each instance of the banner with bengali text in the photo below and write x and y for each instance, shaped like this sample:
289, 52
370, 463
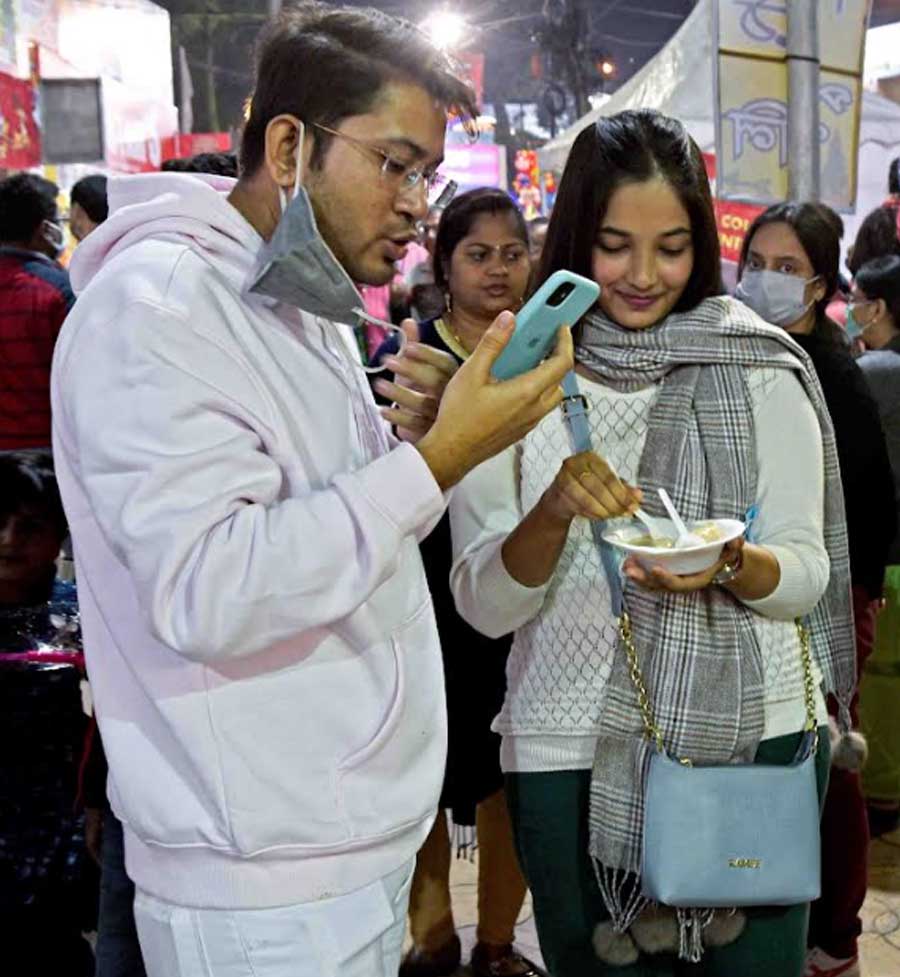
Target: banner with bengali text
752, 99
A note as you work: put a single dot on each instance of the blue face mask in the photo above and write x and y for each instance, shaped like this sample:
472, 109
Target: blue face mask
855, 328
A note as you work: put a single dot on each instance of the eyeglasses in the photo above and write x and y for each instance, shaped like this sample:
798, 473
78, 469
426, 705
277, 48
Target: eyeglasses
404, 178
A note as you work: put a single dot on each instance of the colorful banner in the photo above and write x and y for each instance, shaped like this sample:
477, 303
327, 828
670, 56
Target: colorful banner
475, 166
752, 91
733, 220
20, 137
186, 144
758, 28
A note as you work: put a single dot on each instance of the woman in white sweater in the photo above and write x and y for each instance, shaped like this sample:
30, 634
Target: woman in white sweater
689, 391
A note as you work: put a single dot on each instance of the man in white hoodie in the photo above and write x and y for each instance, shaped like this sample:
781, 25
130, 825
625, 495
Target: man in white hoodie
259, 632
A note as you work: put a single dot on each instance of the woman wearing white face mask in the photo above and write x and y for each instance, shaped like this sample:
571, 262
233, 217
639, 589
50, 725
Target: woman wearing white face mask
787, 274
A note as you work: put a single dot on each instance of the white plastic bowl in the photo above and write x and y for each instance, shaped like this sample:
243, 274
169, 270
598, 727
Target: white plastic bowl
683, 562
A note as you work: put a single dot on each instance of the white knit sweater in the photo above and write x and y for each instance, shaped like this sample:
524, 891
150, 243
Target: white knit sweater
565, 633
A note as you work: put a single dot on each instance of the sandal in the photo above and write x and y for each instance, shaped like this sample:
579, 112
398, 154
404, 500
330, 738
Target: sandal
509, 963
441, 963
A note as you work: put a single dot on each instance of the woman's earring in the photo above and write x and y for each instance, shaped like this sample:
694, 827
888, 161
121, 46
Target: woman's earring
448, 302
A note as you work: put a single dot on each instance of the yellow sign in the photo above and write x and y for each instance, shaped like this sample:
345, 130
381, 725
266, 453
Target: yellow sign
752, 114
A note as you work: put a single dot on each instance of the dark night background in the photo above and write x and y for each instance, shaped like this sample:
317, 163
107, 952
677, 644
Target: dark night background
218, 37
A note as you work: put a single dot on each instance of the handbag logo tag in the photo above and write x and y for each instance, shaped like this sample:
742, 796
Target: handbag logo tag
745, 863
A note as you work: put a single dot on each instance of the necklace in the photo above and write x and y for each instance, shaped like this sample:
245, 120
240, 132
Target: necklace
451, 339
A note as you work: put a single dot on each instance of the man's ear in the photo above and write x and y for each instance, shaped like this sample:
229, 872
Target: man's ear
282, 146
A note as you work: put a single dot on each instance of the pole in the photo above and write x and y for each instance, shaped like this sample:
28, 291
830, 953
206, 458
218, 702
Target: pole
803, 100
274, 8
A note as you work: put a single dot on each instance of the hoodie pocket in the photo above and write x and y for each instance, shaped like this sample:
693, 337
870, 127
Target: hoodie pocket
395, 779
282, 735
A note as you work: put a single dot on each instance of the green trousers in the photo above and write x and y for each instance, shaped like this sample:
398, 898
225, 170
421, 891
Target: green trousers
550, 823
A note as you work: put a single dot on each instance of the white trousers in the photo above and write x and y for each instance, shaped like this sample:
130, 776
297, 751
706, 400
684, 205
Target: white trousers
356, 935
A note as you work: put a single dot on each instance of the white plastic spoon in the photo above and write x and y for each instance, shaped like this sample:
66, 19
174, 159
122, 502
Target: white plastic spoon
684, 539
651, 525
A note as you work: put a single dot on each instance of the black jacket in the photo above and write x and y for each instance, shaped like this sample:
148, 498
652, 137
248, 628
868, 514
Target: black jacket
862, 453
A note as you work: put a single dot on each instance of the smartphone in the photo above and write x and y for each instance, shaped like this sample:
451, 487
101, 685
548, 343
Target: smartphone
561, 301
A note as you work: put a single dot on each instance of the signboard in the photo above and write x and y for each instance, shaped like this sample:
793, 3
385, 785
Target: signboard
20, 138
752, 94
475, 166
71, 118
733, 220
185, 144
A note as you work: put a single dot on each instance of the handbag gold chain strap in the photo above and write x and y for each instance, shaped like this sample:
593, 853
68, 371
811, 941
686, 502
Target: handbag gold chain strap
652, 730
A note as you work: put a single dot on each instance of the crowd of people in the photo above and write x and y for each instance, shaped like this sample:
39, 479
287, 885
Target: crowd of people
344, 600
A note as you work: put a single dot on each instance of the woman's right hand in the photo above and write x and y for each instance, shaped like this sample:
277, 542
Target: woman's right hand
587, 486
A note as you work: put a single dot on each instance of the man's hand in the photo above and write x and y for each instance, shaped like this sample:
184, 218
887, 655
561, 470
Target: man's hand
479, 416
421, 374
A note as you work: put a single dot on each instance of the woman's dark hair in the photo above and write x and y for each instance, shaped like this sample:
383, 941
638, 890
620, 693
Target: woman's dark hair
878, 235
632, 147
322, 64
818, 229
880, 279
26, 201
894, 176
28, 483
458, 218
90, 194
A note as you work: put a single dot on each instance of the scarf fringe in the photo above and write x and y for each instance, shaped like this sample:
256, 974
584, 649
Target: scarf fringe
623, 908
691, 924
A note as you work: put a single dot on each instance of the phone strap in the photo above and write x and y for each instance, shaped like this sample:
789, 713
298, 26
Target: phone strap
575, 409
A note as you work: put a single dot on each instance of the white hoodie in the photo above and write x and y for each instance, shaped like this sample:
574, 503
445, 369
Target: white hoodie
257, 624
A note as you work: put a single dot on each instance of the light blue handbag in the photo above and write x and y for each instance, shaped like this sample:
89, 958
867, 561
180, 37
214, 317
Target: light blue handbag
718, 836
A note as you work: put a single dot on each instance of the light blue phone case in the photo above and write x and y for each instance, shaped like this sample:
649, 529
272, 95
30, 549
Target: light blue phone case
538, 323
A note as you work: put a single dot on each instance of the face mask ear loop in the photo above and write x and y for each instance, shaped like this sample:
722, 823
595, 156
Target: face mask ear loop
390, 327
298, 172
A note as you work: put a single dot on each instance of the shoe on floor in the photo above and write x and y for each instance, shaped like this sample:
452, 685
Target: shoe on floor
510, 963
442, 963
883, 819
820, 964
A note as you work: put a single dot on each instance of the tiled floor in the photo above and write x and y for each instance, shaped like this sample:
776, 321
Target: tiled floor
880, 945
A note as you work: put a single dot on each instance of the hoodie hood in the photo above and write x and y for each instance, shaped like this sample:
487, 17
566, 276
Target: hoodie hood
189, 209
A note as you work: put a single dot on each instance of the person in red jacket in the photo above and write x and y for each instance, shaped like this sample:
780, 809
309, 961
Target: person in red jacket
35, 297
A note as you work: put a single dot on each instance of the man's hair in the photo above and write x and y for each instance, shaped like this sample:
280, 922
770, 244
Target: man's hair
28, 484
894, 177
879, 234
218, 164
26, 201
880, 279
90, 195
323, 64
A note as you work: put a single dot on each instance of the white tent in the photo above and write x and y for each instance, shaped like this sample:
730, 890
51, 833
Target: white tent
679, 83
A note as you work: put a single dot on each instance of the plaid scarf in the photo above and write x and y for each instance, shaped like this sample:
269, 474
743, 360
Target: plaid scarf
701, 662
